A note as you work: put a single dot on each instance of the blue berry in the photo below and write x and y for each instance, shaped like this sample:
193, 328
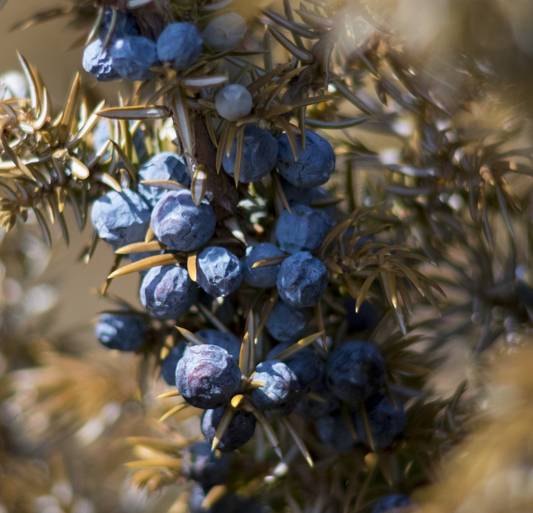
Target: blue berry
393, 503
302, 280
227, 341
295, 195
124, 332
196, 497
281, 391
234, 102
135, 257
169, 364
126, 25
260, 152
305, 364
133, 57
207, 376
261, 277
180, 44
386, 422
318, 196
98, 62
301, 229
202, 465
287, 324
120, 218
180, 224
225, 32
365, 319
240, 429
356, 370
167, 291
334, 431
313, 409
314, 165
219, 271
164, 166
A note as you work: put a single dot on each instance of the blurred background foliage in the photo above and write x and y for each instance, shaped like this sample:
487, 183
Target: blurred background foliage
68, 407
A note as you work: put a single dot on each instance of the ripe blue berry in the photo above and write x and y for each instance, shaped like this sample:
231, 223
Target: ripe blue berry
169, 364
240, 429
225, 32
202, 465
305, 364
295, 195
219, 271
301, 229
356, 370
261, 277
99, 63
207, 376
314, 409
124, 332
167, 291
180, 224
133, 57
180, 44
314, 165
260, 152
126, 26
393, 503
234, 102
334, 431
365, 319
281, 391
287, 324
227, 341
120, 218
164, 166
320, 197
386, 421
302, 280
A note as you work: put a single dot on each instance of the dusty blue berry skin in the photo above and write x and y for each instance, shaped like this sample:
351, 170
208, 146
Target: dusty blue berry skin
180, 44
314, 165
180, 224
240, 429
281, 392
260, 152
260, 277
333, 430
356, 370
167, 292
386, 421
313, 409
296, 195
99, 63
391, 503
133, 57
302, 280
202, 465
219, 271
196, 498
126, 26
164, 166
169, 364
227, 341
318, 196
207, 376
225, 32
120, 218
287, 324
305, 364
234, 102
122, 332
301, 229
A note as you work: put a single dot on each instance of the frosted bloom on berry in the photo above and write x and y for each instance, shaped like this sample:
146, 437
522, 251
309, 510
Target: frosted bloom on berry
124, 332
234, 102
133, 57
261, 277
240, 430
225, 32
207, 376
167, 291
227, 341
219, 271
314, 165
180, 44
98, 62
180, 224
120, 218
